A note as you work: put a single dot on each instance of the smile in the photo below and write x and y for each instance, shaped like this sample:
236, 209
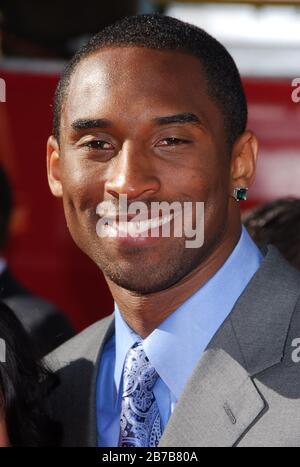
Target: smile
136, 228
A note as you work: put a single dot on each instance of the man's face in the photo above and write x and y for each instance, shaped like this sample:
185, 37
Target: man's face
115, 142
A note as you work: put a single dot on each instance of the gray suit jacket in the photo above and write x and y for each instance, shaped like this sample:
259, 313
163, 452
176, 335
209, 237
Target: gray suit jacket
245, 389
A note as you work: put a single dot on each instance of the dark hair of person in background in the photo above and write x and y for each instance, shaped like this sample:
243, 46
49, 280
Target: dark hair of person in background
277, 223
24, 388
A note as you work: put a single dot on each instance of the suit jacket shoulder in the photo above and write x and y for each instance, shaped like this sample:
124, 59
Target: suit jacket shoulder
85, 345
73, 402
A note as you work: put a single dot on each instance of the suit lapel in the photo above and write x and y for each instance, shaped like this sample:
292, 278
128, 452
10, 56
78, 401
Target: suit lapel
220, 402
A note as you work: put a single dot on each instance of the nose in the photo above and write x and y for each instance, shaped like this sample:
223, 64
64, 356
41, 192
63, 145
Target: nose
132, 173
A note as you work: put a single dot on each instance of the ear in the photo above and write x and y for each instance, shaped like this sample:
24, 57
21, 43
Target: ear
53, 167
243, 161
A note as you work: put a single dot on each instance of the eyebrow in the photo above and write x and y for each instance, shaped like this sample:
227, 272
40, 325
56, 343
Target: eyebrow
87, 124
181, 118
185, 117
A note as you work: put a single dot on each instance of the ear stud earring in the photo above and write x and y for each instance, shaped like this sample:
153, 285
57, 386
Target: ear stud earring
240, 194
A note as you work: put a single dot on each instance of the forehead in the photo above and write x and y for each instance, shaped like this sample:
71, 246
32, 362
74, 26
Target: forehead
140, 82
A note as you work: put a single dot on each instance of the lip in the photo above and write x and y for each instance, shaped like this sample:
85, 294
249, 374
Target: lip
122, 217
144, 232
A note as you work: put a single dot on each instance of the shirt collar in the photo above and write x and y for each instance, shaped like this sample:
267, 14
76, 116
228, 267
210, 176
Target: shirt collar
175, 347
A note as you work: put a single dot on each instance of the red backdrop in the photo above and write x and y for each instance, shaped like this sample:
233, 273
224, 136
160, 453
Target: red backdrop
41, 252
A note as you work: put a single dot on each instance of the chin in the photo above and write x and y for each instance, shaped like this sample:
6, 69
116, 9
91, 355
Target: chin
148, 272
139, 287
140, 279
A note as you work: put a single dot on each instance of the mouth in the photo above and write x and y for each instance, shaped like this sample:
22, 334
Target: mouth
135, 228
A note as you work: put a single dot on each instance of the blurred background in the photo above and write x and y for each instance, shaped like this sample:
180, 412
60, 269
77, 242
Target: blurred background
37, 37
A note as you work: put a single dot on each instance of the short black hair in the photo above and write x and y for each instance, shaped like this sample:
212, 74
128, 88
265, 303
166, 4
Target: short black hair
278, 223
25, 385
163, 32
6, 206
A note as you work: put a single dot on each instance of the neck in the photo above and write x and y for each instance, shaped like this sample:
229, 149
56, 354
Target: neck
144, 313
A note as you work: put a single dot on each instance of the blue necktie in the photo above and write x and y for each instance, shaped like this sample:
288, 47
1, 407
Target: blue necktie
140, 418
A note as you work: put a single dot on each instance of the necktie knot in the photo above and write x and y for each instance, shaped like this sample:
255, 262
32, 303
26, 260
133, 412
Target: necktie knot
138, 371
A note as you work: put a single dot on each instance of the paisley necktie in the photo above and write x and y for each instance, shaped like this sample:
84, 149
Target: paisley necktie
140, 418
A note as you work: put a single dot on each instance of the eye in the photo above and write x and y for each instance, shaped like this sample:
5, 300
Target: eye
172, 142
99, 144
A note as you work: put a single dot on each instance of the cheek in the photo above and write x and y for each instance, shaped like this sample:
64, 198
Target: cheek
204, 186
210, 186
199, 176
83, 187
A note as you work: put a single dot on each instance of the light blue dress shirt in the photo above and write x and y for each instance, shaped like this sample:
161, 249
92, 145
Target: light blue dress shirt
175, 347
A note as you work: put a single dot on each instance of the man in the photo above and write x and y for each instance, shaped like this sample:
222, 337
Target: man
201, 348
47, 326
